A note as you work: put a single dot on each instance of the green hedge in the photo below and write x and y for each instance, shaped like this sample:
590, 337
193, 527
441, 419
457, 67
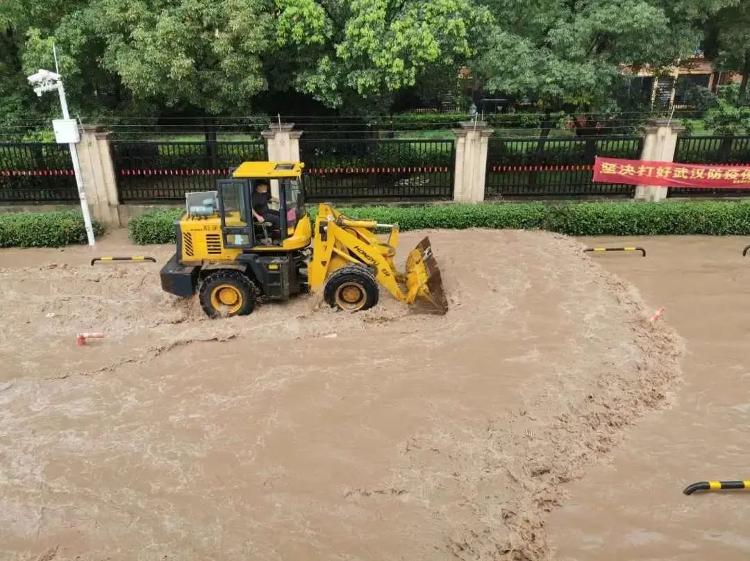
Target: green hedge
711, 218
517, 120
35, 155
191, 155
571, 150
422, 121
44, 229
362, 154
156, 226
425, 121
579, 219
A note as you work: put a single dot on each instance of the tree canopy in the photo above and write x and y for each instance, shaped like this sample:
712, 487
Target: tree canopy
223, 56
728, 40
573, 52
370, 49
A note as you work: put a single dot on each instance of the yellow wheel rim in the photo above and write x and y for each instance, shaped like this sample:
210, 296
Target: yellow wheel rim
226, 298
351, 296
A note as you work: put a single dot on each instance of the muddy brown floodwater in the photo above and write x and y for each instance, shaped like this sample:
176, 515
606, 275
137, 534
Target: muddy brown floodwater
301, 433
631, 507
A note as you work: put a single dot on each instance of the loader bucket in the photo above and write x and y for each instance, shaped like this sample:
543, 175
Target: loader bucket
423, 280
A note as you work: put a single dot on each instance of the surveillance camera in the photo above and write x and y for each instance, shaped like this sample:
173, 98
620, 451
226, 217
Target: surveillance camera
45, 81
43, 76
38, 77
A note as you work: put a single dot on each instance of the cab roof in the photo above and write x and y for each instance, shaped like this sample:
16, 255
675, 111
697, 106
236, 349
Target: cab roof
250, 170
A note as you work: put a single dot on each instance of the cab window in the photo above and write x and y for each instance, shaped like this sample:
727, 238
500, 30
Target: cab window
233, 199
295, 207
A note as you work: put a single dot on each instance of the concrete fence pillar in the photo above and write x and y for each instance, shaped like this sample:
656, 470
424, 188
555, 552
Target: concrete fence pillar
658, 146
98, 173
472, 140
282, 142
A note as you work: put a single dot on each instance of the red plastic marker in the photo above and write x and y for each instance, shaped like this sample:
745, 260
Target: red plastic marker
657, 315
81, 338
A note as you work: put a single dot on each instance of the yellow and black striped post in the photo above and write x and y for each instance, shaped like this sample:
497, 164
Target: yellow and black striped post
744, 251
132, 258
604, 249
716, 486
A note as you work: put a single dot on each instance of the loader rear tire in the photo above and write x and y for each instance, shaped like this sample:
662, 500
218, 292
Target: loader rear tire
351, 289
227, 293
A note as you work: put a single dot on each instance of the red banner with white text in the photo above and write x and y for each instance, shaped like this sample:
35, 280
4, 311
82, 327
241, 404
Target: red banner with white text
672, 174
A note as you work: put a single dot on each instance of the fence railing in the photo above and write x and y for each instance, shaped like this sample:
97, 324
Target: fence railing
711, 150
378, 169
36, 172
555, 167
165, 171
340, 169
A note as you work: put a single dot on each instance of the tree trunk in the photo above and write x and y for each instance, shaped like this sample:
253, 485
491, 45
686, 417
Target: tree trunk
546, 125
725, 148
745, 76
209, 131
544, 133
9, 46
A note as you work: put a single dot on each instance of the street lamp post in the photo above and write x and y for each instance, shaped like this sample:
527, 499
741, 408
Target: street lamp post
66, 132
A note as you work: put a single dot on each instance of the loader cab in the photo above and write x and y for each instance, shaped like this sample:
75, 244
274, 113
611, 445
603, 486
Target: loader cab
291, 228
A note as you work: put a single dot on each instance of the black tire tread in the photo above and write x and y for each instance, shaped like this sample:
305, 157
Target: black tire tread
352, 273
228, 276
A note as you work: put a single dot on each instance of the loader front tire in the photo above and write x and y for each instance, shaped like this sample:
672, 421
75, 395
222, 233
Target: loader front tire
351, 289
227, 293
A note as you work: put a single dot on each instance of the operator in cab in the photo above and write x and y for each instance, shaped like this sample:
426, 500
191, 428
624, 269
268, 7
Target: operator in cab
261, 212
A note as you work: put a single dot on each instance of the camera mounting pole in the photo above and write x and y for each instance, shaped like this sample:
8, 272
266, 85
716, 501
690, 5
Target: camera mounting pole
66, 132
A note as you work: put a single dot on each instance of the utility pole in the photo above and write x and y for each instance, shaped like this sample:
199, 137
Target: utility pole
66, 132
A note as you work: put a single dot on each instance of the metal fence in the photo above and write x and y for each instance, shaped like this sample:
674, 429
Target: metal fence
731, 150
554, 168
36, 172
156, 171
394, 169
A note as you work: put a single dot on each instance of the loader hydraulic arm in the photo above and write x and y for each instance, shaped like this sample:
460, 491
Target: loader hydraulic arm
339, 241
371, 226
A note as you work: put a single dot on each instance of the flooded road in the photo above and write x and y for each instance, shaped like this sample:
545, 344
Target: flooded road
632, 507
302, 433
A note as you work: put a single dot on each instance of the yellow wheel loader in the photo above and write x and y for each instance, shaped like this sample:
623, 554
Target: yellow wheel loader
252, 239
